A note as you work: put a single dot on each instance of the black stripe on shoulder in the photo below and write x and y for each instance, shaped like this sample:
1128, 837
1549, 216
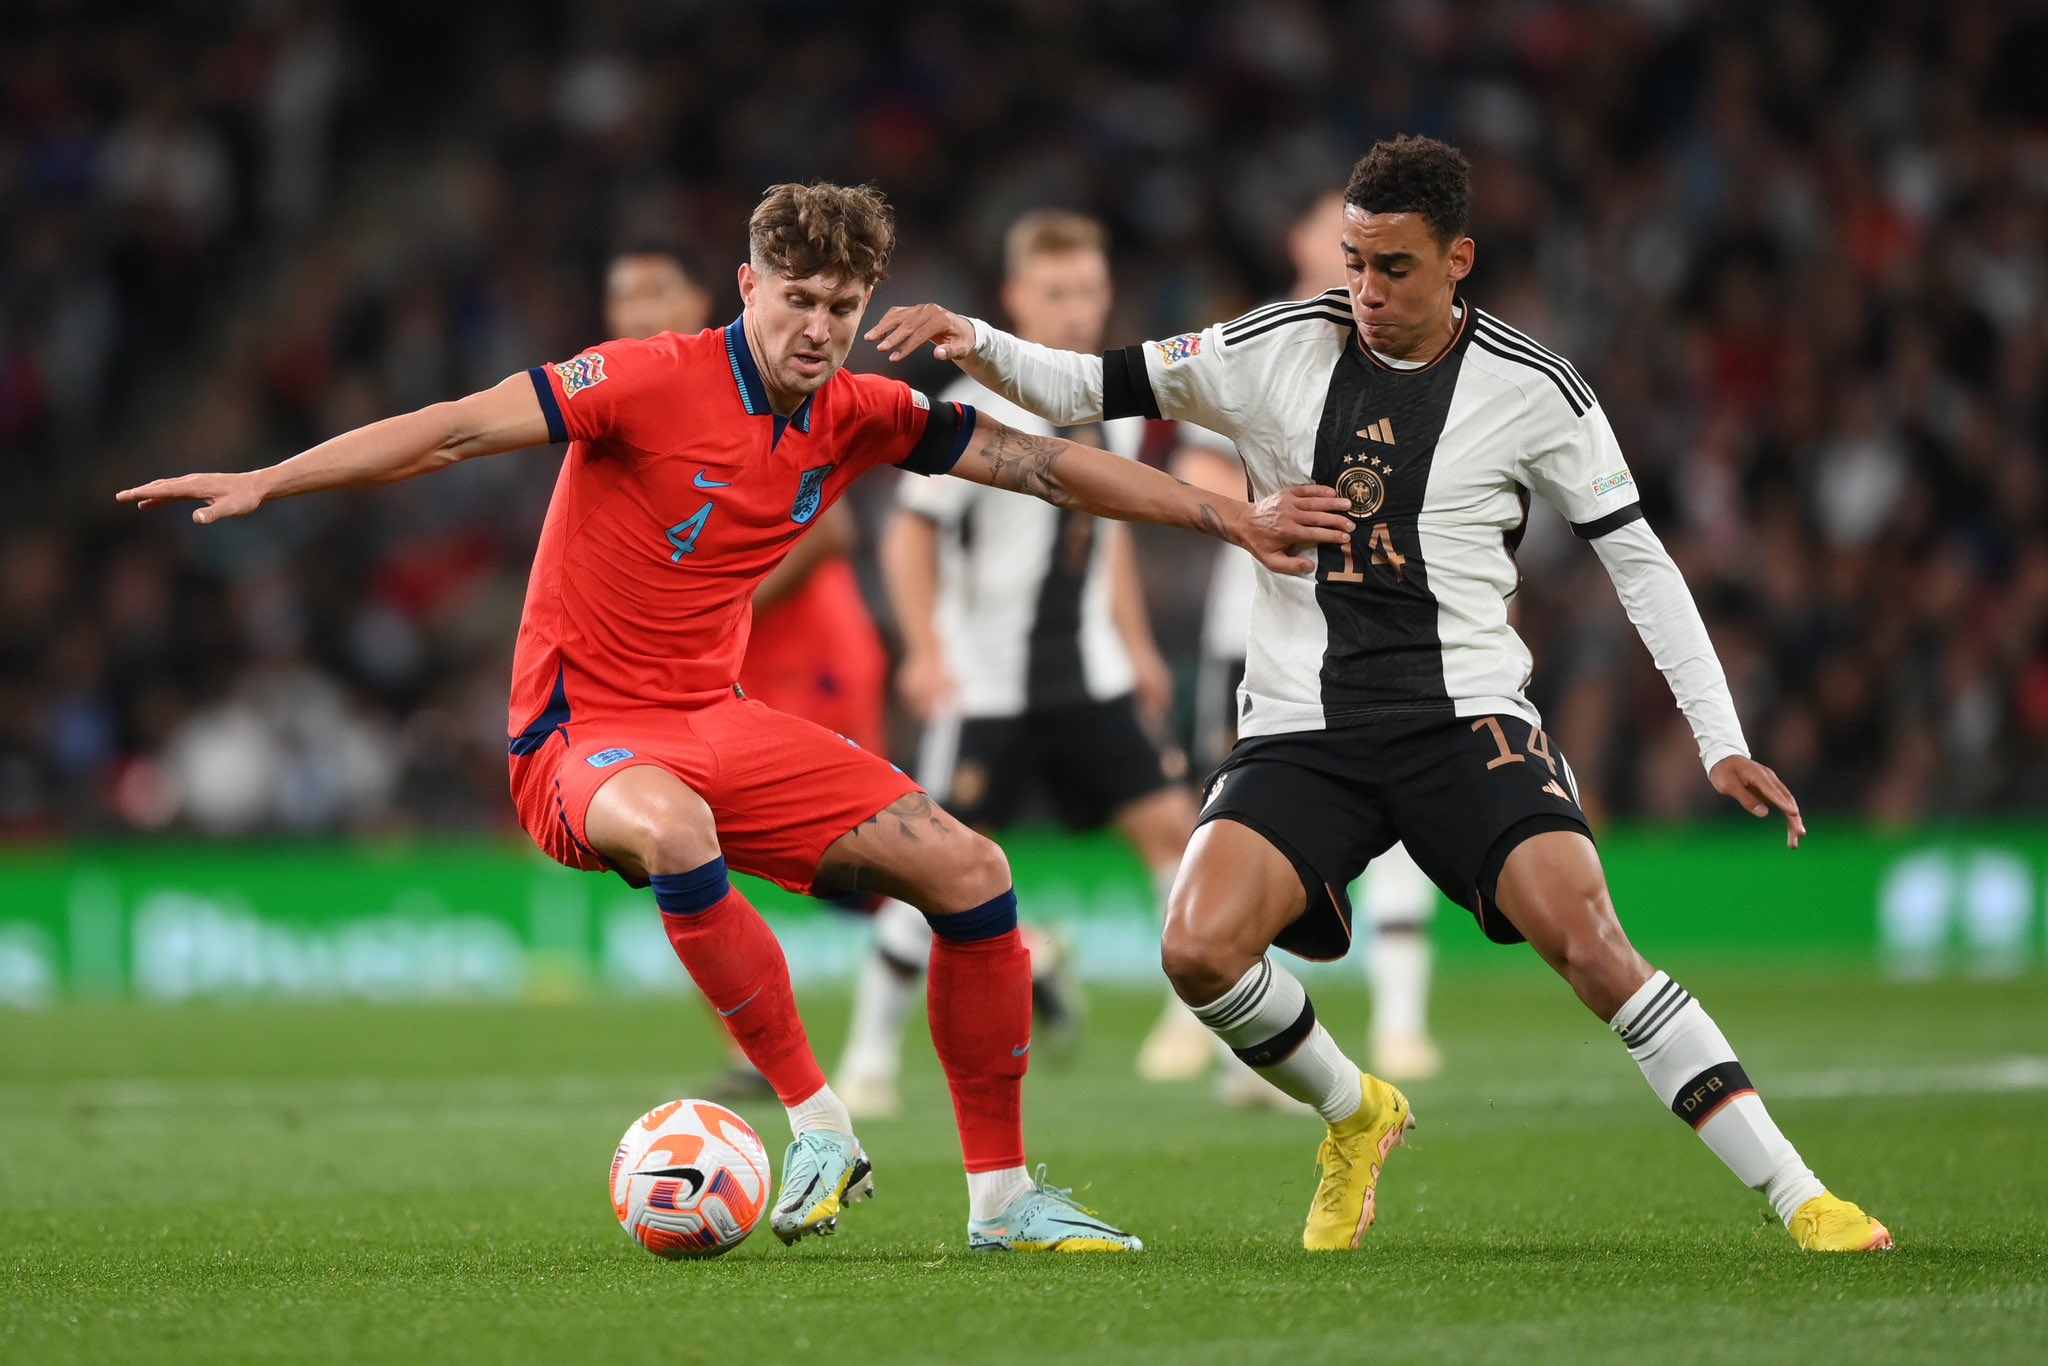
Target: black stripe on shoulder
1318, 315
1513, 333
1537, 356
1613, 521
1262, 311
1330, 297
1486, 343
1251, 322
1523, 342
1126, 387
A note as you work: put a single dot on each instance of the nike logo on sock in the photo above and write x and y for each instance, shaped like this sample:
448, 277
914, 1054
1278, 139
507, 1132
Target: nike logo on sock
1020, 1052
703, 483
728, 1014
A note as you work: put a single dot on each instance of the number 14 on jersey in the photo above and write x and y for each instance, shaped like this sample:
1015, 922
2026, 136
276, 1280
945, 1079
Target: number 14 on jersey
1381, 546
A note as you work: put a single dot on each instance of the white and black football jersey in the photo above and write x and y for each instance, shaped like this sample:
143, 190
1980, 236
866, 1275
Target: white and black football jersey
1024, 590
1438, 461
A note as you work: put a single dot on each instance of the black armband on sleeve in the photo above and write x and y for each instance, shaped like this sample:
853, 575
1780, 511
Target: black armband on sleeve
1613, 521
558, 430
1126, 388
946, 433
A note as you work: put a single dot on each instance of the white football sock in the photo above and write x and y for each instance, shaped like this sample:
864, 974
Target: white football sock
1398, 966
1398, 901
990, 1193
1268, 1022
1691, 1067
884, 989
902, 932
823, 1110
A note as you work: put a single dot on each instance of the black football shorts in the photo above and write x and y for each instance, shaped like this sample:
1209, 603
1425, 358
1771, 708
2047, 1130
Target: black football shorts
1088, 760
1460, 791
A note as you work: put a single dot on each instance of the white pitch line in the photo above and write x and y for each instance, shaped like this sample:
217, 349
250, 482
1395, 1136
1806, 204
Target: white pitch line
425, 1095
1999, 1076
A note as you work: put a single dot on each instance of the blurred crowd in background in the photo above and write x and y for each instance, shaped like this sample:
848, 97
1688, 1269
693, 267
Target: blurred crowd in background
1797, 248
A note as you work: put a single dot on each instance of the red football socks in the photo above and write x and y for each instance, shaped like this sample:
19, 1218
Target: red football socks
979, 1000
734, 959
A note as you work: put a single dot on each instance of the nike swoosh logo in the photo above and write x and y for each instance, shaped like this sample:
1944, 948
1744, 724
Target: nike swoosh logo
704, 483
728, 1014
1020, 1052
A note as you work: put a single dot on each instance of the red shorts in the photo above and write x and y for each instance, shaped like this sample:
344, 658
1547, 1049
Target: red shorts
780, 788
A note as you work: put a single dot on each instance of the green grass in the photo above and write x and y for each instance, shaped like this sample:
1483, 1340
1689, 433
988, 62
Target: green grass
283, 1182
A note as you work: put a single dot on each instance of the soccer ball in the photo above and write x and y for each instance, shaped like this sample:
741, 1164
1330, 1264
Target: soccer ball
690, 1179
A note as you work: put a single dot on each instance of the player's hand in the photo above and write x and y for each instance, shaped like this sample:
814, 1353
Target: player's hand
1153, 687
1278, 525
1758, 789
225, 495
906, 327
925, 684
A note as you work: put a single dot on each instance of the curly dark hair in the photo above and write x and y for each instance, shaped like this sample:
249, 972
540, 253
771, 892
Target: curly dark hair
843, 232
1415, 175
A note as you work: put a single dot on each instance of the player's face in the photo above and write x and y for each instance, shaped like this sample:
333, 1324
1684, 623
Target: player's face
1315, 245
802, 329
1061, 299
644, 295
1401, 281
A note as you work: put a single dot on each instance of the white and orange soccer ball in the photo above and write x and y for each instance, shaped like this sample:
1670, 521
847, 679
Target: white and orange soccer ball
690, 1179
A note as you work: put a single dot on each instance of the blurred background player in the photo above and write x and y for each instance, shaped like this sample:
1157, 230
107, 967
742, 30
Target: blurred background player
1395, 895
814, 652
1029, 657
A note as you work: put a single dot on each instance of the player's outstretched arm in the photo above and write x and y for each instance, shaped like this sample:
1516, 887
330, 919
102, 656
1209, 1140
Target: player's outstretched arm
505, 417
1274, 529
1653, 592
1063, 387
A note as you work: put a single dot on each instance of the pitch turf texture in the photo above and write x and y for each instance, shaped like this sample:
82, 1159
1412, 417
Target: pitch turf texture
293, 1182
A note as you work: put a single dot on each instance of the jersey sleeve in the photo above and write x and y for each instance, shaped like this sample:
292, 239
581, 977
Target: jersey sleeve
1186, 378
911, 431
608, 392
1574, 461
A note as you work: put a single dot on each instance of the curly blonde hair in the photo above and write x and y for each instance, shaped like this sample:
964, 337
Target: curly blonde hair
837, 231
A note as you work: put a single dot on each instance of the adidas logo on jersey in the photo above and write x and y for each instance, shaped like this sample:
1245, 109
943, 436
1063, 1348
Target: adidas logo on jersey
1382, 430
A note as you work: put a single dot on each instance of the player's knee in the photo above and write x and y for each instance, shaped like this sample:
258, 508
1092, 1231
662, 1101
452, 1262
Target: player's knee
976, 871
1200, 966
666, 830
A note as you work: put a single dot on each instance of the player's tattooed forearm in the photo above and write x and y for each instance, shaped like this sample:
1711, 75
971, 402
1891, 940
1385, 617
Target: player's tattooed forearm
1210, 523
1026, 463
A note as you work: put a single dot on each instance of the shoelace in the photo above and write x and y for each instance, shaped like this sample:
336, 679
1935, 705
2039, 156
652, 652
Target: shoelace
1332, 1161
1063, 1194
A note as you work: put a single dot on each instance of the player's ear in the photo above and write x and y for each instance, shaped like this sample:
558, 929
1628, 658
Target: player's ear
1463, 251
747, 282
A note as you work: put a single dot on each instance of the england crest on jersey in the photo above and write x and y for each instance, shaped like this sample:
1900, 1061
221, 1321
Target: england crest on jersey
810, 495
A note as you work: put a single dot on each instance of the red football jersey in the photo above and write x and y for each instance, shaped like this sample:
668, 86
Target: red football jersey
680, 491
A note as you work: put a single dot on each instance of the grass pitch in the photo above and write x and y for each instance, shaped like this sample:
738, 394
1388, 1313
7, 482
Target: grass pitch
290, 1182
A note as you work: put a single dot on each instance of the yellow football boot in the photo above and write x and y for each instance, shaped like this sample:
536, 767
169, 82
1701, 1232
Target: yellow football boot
1828, 1224
1351, 1158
